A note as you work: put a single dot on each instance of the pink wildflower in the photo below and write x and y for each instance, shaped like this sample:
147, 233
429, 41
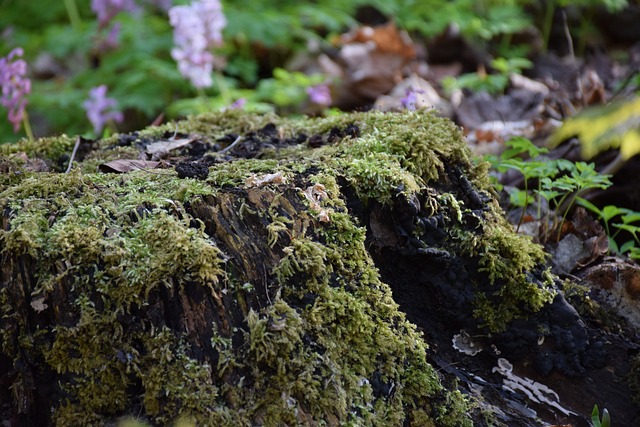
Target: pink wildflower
238, 104
410, 99
15, 86
320, 94
111, 41
197, 29
101, 109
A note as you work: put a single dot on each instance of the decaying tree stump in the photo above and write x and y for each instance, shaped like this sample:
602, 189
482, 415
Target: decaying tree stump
247, 280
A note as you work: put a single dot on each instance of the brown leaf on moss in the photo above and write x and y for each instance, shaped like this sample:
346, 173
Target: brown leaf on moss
156, 149
127, 165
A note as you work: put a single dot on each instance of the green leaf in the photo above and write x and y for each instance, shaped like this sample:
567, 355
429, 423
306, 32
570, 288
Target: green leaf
519, 198
606, 420
627, 227
611, 211
615, 6
631, 216
595, 416
589, 206
565, 165
626, 246
548, 195
613, 245
519, 145
634, 252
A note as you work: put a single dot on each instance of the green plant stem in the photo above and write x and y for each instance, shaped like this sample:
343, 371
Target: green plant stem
27, 125
572, 199
526, 204
585, 19
539, 210
222, 87
202, 106
505, 43
614, 166
74, 15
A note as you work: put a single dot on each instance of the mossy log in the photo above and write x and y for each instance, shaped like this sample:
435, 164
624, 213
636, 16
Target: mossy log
257, 291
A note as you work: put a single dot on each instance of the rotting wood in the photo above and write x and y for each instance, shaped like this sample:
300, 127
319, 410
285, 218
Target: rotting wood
240, 304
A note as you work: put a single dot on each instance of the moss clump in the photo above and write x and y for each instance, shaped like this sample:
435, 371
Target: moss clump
382, 375
508, 259
54, 149
232, 303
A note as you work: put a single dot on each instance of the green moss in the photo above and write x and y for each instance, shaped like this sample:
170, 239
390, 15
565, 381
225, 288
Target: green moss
174, 383
419, 139
376, 175
508, 259
51, 148
98, 384
349, 322
107, 248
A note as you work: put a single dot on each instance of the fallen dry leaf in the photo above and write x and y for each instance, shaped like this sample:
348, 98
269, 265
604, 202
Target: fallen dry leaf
270, 178
516, 106
584, 242
127, 165
592, 88
372, 59
315, 194
159, 147
31, 165
387, 39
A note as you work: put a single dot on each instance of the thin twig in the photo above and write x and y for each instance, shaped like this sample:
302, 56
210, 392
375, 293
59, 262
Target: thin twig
233, 144
567, 34
73, 154
266, 287
27, 125
614, 165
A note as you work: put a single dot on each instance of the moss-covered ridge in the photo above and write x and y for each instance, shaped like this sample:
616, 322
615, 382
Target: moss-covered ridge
231, 302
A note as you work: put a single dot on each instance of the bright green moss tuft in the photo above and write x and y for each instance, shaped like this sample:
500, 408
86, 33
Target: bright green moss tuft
507, 258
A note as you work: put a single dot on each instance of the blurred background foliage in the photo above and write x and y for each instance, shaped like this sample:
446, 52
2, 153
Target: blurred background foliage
67, 51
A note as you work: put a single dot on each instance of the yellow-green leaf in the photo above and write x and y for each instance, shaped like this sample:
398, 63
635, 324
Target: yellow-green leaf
616, 125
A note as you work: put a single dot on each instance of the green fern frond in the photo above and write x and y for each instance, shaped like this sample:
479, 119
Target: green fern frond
616, 125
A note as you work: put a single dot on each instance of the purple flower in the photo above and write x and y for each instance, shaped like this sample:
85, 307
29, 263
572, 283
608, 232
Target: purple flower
410, 99
197, 29
101, 109
238, 104
15, 86
320, 94
106, 10
111, 42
